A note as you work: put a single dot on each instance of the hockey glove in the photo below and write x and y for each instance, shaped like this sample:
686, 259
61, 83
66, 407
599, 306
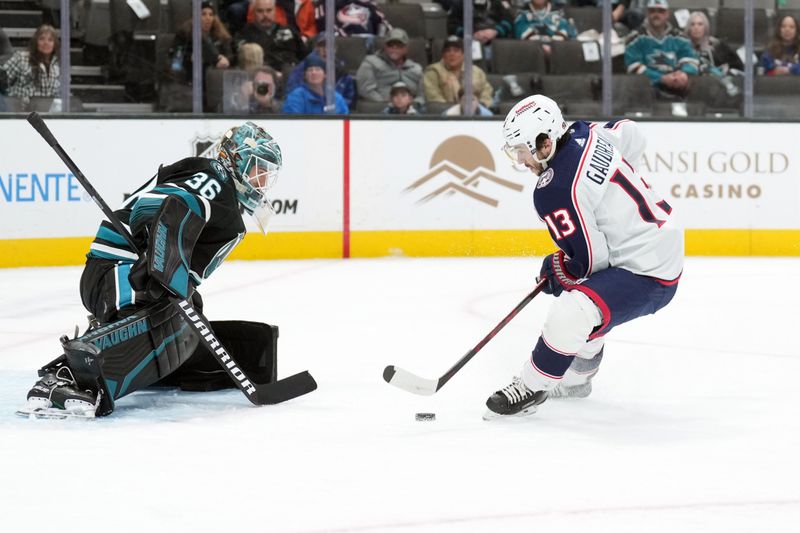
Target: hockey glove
167, 260
554, 270
141, 281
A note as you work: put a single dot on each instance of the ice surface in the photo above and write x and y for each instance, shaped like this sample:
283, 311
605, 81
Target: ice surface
693, 425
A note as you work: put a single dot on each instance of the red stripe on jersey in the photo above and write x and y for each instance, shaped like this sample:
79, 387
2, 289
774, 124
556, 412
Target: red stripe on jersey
669, 282
559, 352
542, 372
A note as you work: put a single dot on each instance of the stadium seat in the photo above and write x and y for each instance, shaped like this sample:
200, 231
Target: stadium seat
14, 105
585, 18
757, 4
708, 91
437, 108
222, 91
568, 57
527, 82
693, 4
632, 93
570, 89
352, 50
410, 17
730, 27
366, 107
179, 11
123, 17
510, 56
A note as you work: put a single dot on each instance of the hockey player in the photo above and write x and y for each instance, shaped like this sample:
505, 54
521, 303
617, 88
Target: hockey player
185, 220
620, 251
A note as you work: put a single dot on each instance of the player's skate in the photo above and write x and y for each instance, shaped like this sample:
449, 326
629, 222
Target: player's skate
55, 396
515, 399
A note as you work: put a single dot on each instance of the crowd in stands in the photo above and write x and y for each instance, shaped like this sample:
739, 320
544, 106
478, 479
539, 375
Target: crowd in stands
280, 48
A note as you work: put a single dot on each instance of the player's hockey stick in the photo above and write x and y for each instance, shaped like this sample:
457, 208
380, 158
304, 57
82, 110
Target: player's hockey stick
418, 385
257, 393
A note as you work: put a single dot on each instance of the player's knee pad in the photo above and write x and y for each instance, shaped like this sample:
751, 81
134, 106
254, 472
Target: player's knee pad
570, 321
253, 345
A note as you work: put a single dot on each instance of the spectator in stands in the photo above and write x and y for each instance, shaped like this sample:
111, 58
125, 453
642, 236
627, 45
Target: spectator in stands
345, 84
260, 91
478, 109
250, 57
491, 19
356, 18
309, 98
715, 59
235, 13
540, 22
297, 14
401, 101
781, 55
35, 71
624, 17
379, 71
442, 80
282, 45
659, 51
216, 42
714, 55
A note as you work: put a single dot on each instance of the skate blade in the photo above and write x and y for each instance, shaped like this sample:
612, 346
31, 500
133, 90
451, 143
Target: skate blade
491, 415
53, 413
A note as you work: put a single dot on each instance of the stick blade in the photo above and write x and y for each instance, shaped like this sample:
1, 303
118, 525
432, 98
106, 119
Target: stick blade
409, 382
285, 389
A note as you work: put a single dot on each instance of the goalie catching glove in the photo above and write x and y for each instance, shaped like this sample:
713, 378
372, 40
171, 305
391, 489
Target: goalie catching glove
166, 265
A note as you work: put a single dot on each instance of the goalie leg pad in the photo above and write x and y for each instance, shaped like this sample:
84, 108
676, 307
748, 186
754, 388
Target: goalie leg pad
132, 353
253, 345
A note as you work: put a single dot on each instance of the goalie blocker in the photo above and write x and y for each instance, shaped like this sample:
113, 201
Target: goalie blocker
158, 347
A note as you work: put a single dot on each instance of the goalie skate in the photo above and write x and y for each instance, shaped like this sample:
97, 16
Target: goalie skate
54, 396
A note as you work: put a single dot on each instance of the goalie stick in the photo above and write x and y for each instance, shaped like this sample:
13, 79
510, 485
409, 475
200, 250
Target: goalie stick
418, 385
257, 393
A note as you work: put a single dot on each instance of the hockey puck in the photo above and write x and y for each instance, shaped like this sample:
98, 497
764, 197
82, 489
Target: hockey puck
425, 417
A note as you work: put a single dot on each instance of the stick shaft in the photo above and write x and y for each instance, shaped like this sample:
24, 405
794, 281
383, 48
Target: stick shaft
38, 124
484, 341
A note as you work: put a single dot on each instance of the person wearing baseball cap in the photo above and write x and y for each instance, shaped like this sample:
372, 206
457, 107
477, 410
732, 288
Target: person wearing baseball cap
390, 64
659, 51
401, 100
443, 79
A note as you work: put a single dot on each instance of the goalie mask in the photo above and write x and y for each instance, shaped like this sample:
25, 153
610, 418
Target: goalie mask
529, 118
254, 158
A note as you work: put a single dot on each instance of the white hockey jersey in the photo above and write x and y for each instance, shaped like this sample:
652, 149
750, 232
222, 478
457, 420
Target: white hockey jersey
601, 212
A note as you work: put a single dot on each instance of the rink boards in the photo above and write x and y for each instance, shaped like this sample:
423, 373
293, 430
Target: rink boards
371, 188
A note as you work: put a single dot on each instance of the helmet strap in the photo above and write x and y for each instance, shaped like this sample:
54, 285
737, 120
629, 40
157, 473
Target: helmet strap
544, 161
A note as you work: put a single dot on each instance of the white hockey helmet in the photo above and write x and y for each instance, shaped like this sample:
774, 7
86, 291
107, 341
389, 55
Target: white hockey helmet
529, 118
